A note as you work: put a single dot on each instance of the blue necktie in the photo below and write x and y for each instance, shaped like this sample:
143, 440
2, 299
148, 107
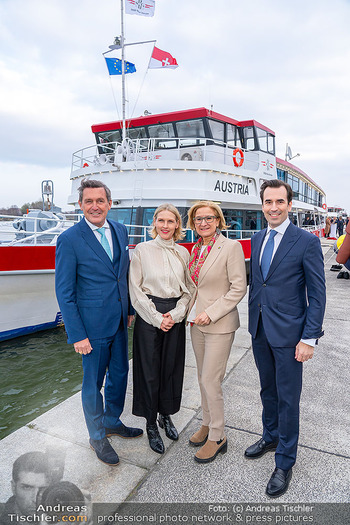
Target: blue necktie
104, 241
267, 254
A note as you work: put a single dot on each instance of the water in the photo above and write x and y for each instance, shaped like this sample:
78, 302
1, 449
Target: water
36, 373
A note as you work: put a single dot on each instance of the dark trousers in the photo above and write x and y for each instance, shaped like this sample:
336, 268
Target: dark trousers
281, 382
108, 358
158, 366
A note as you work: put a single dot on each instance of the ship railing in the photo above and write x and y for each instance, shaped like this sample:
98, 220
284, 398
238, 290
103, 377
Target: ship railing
142, 150
317, 230
138, 233
20, 230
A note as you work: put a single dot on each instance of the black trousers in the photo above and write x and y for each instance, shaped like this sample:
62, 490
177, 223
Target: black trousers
158, 365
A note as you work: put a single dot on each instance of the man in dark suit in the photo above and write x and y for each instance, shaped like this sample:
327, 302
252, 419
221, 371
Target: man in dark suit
287, 298
92, 262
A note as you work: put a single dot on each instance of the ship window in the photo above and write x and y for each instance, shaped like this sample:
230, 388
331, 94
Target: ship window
148, 216
164, 134
281, 174
271, 143
233, 139
109, 136
136, 133
248, 136
190, 128
161, 130
217, 130
122, 215
234, 219
262, 138
293, 181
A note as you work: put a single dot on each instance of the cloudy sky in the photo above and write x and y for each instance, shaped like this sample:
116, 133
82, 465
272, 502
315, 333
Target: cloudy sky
285, 64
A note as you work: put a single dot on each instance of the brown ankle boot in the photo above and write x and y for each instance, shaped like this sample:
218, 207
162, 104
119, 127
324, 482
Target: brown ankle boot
199, 438
210, 450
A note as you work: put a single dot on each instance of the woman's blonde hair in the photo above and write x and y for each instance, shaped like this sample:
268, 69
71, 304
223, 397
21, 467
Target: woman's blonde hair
206, 204
178, 234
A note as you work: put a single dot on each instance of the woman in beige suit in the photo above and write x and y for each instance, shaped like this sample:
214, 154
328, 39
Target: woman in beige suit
217, 268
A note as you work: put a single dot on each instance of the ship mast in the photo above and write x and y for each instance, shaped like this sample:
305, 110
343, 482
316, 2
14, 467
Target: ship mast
119, 43
123, 66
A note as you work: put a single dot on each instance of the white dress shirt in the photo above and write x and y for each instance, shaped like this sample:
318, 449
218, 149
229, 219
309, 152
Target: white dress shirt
98, 236
281, 229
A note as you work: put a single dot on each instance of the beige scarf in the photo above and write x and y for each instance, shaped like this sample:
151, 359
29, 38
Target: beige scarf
173, 254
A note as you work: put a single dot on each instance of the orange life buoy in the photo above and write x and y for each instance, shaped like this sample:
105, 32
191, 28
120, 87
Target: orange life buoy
238, 163
324, 206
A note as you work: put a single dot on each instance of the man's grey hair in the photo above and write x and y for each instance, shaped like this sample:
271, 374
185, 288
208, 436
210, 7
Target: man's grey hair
91, 183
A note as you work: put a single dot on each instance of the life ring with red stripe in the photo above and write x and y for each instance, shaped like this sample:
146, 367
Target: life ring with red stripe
324, 206
238, 162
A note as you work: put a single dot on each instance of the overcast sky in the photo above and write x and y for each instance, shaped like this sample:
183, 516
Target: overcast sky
283, 63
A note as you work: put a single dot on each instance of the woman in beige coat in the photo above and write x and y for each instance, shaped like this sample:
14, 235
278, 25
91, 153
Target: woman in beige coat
217, 268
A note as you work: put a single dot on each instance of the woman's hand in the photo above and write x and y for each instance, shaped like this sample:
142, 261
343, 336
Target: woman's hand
202, 319
167, 322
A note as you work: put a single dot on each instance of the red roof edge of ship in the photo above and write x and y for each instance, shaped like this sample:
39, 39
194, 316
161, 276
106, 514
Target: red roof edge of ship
185, 114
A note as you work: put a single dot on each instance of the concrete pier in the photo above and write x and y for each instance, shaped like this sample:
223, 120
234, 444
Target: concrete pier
322, 471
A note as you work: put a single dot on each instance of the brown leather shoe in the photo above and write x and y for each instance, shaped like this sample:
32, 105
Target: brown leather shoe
199, 438
210, 450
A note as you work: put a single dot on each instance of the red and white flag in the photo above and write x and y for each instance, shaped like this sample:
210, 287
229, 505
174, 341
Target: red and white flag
140, 7
161, 58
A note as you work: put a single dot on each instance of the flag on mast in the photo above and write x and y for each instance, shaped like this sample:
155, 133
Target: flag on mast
161, 59
140, 7
115, 66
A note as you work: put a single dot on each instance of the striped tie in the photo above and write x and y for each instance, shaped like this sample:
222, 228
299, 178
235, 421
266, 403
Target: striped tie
267, 254
104, 241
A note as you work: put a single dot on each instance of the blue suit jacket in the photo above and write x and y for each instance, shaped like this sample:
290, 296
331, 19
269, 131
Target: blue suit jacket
292, 298
92, 290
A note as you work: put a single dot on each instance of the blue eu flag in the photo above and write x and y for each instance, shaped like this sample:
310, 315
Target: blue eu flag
115, 66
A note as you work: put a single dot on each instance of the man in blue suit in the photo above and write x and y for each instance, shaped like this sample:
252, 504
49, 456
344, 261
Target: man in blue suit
92, 262
287, 298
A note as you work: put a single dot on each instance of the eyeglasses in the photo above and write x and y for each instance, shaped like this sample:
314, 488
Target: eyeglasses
208, 219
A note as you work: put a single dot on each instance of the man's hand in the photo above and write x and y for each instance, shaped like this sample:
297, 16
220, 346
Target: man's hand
83, 347
202, 319
130, 320
303, 352
167, 322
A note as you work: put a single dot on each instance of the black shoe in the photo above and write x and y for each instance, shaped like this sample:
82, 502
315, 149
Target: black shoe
335, 267
340, 275
124, 432
155, 441
346, 275
170, 430
279, 482
104, 451
259, 449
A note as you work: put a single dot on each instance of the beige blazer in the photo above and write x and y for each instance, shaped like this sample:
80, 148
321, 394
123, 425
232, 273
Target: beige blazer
221, 286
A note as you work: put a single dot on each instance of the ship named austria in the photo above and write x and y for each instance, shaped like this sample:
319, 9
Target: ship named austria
176, 157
